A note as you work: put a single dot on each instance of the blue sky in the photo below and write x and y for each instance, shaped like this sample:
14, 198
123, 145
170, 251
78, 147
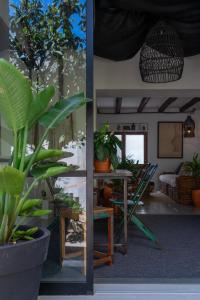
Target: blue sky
74, 20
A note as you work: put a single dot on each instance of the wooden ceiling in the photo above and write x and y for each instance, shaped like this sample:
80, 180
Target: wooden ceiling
131, 105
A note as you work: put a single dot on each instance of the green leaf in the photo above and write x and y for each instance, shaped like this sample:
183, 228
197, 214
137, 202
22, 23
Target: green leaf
11, 180
29, 205
47, 154
15, 96
45, 172
4, 229
41, 212
61, 110
32, 231
24, 234
40, 104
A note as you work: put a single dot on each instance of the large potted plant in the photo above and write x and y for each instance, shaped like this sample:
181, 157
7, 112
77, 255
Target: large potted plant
193, 168
23, 249
106, 145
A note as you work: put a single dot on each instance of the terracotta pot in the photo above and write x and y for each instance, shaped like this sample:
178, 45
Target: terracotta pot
102, 166
196, 198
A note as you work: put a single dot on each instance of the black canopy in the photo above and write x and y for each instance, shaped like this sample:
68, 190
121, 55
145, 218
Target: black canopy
121, 25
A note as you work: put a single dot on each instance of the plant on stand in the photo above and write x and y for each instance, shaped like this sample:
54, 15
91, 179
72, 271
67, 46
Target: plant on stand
25, 248
106, 146
193, 168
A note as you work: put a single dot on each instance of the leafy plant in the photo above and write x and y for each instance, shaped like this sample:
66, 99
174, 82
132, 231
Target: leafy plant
69, 201
130, 165
21, 110
193, 167
106, 145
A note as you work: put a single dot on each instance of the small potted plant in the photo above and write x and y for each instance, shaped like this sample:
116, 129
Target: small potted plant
23, 249
193, 168
106, 145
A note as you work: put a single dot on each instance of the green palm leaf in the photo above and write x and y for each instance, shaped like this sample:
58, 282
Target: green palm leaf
40, 104
15, 96
51, 170
11, 180
61, 110
29, 205
48, 154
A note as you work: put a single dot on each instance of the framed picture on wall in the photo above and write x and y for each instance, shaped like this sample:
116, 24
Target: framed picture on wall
170, 139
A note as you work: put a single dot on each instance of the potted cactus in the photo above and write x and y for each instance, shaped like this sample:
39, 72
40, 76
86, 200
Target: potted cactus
23, 249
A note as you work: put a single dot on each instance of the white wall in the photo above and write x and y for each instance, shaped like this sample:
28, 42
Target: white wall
191, 145
125, 75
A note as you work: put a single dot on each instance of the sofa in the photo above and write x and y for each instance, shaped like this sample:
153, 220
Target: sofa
178, 185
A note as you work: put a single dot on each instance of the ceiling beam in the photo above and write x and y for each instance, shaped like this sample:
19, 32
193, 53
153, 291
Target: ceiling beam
189, 104
118, 105
143, 103
166, 104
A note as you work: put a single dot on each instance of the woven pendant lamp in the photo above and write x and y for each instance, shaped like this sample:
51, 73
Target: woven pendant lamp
161, 56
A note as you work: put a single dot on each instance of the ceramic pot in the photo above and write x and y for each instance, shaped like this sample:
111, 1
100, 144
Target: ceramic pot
102, 166
196, 198
21, 266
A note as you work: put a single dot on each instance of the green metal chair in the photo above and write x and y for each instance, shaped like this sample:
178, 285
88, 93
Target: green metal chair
133, 204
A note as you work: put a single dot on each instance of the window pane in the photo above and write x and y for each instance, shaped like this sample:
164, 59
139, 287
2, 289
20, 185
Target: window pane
135, 147
48, 43
119, 151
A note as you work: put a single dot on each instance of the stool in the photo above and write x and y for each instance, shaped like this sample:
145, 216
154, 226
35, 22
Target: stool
102, 257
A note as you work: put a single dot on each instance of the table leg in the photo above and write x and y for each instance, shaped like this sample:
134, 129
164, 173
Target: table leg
125, 214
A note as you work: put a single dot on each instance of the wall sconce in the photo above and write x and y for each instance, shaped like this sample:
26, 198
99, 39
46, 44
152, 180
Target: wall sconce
189, 127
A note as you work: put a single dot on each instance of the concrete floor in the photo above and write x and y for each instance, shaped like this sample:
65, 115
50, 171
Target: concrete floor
160, 204
156, 204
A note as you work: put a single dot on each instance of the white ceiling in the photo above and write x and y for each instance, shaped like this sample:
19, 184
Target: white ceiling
131, 104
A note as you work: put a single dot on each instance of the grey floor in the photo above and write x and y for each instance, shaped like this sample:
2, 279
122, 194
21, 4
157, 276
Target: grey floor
159, 204
177, 228
156, 204
178, 258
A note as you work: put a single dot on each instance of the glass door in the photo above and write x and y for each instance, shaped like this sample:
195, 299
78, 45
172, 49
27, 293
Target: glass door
47, 41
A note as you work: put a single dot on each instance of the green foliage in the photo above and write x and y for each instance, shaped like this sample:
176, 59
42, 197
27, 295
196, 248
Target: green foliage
40, 103
41, 33
67, 200
11, 180
61, 110
16, 99
25, 234
46, 171
193, 167
106, 145
130, 165
48, 155
14, 103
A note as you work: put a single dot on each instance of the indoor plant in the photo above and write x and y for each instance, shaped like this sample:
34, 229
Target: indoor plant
106, 145
193, 168
23, 249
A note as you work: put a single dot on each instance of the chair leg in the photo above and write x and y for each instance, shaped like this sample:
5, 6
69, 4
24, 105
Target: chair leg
147, 231
110, 238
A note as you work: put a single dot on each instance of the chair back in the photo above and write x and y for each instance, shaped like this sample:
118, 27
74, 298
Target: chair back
144, 180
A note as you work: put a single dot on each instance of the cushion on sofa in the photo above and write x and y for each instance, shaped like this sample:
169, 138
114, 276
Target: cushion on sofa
169, 179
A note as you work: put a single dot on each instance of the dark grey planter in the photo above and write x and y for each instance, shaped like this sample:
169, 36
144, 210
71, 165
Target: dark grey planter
20, 267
